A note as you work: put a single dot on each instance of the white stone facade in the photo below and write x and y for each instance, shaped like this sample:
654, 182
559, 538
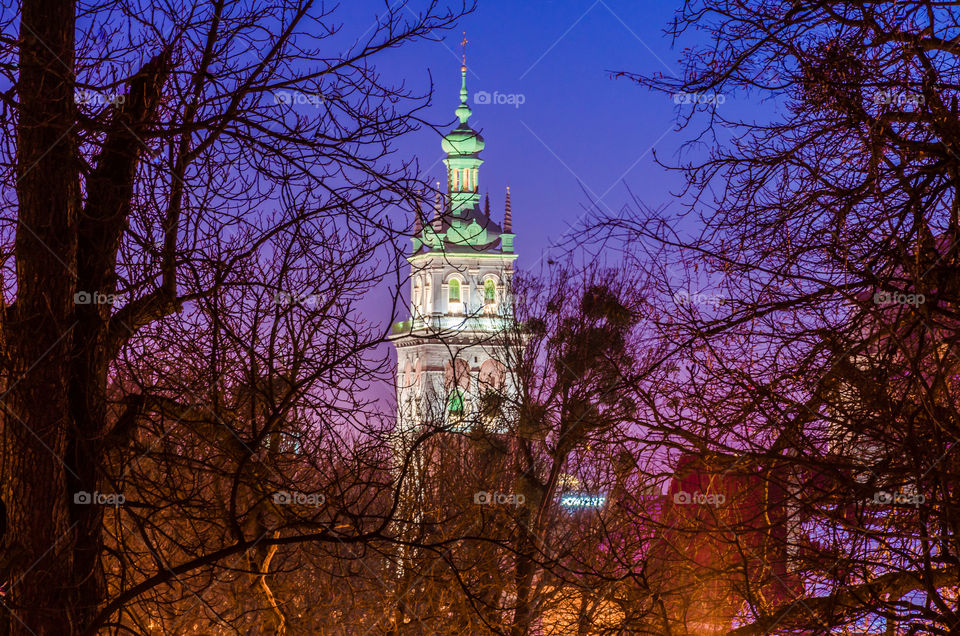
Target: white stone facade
453, 349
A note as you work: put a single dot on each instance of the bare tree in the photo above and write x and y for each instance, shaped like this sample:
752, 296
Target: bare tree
170, 172
811, 303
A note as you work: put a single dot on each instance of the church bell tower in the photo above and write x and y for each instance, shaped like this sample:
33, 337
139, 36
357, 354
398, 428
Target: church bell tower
450, 351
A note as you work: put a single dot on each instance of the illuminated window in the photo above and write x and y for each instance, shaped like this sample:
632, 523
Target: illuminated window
489, 292
454, 296
455, 402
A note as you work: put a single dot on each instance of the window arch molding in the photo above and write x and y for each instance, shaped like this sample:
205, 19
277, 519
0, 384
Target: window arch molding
491, 276
454, 275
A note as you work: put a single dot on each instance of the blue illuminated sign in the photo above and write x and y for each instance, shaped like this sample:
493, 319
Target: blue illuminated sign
582, 500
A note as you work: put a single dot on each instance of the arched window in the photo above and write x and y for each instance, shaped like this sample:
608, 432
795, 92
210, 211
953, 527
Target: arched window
456, 374
489, 292
455, 405
492, 375
456, 295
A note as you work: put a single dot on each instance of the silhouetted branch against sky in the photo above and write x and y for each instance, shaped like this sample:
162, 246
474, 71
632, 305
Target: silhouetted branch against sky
197, 196
811, 293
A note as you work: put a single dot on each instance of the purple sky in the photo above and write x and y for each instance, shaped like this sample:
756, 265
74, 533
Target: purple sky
577, 130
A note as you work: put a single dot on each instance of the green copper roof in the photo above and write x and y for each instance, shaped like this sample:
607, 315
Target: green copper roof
462, 141
459, 225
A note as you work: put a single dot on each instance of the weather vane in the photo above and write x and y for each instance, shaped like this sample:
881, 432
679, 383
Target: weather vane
463, 46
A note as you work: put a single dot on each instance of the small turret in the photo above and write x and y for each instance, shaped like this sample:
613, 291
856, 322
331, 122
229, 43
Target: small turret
417, 237
418, 216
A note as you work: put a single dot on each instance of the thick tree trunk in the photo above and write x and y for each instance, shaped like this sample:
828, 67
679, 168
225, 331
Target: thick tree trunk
523, 615
84, 459
39, 329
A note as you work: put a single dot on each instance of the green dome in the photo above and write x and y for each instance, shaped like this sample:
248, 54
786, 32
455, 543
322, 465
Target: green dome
462, 140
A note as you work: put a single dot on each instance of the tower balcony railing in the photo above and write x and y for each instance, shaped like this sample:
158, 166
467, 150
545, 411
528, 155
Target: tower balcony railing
440, 324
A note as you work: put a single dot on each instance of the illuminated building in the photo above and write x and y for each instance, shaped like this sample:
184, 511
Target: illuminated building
449, 352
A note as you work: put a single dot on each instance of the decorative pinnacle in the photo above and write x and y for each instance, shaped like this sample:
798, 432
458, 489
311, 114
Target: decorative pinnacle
437, 221
417, 218
463, 111
507, 215
463, 94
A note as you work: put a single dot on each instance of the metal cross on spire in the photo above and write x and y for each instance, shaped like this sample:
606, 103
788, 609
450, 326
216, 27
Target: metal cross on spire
463, 48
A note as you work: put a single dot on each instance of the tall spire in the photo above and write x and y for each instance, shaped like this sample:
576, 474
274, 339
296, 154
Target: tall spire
507, 215
463, 111
463, 145
437, 218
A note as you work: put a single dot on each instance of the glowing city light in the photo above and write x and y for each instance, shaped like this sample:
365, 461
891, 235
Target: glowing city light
582, 500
